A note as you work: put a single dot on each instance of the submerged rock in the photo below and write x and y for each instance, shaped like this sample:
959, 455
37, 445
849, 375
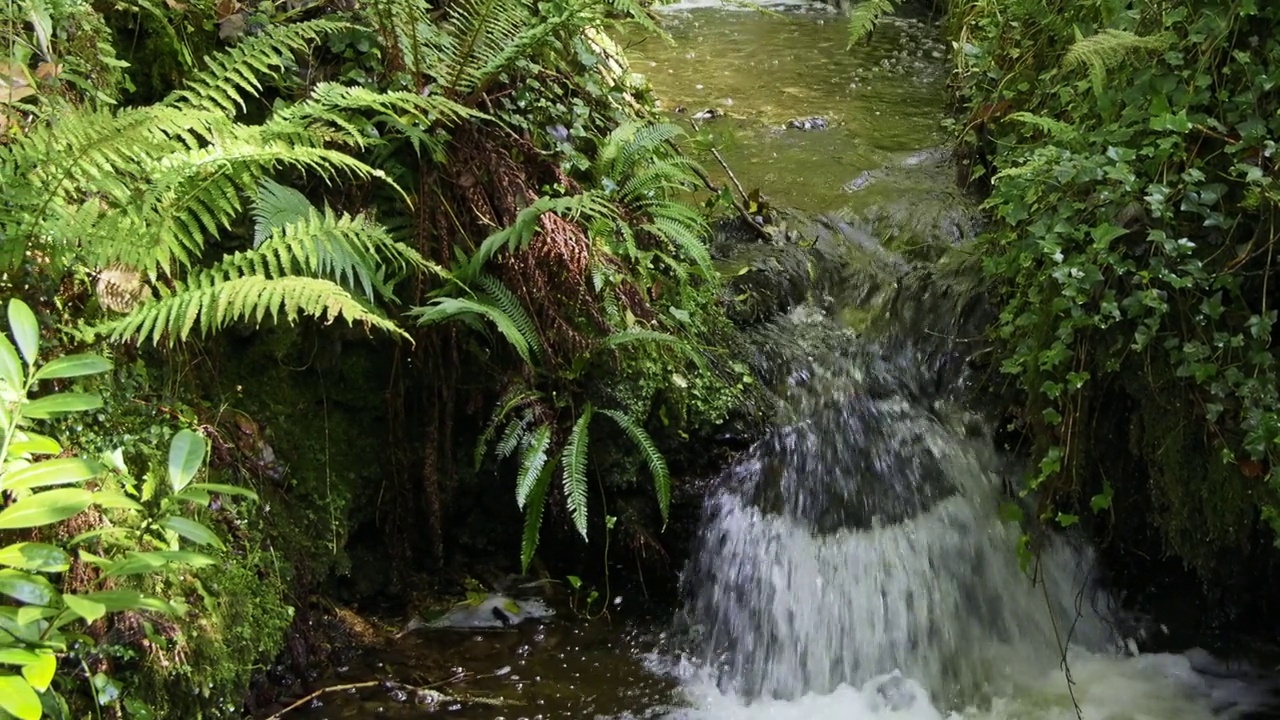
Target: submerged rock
808, 124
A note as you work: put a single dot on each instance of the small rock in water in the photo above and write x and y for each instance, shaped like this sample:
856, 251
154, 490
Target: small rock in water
892, 692
708, 114
864, 179
807, 124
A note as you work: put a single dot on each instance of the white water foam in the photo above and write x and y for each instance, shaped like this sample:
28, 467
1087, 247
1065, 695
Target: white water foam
1105, 687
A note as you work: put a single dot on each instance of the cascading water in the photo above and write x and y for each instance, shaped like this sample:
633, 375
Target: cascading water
863, 537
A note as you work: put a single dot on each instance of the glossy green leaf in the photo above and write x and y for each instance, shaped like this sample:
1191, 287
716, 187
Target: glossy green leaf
29, 443
136, 563
17, 656
191, 530
18, 698
51, 406
32, 614
186, 454
73, 366
87, 609
35, 557
27, 588
194, 495
26, 331
222, 489
40, 672
10, 366
121, 600
45, 508
60, 471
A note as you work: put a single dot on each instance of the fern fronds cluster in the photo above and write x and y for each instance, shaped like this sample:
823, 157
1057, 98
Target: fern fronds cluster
1109, 48
541, 453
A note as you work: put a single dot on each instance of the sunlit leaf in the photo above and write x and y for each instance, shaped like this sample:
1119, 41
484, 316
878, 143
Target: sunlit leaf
40, 672
191, 530
26, 331
45, 508
18, 698
35, 557
73, 366
186, 454
51, 406
61, 471
10, 366
87, 609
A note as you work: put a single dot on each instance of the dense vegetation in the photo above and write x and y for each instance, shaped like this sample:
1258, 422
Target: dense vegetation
196, 193
1128, 153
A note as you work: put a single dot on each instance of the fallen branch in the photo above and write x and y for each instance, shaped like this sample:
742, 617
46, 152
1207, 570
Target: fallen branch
322, 691
739, 205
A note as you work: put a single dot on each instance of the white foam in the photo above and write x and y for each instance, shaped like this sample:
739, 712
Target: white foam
1106, 687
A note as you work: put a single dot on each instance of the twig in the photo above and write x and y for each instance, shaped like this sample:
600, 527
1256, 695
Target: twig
323, 691
756, 227
720, 159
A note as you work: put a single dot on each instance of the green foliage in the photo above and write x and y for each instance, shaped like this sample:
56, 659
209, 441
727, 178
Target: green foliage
1135, 213
864, 17
137, 542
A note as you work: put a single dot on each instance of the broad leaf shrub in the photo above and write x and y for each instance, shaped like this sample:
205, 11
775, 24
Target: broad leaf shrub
1132, 166
135, 545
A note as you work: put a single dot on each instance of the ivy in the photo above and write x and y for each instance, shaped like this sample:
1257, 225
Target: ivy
1134, 196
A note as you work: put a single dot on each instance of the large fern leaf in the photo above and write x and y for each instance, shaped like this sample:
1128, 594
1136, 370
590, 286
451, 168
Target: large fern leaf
511, 400
864, 17
233, 74
652, 457
209, 304
450, 308
1108, 48
533, 509
532, 463
573, 469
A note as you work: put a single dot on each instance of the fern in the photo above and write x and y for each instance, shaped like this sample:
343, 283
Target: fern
1053, 128
573, 468
652, 457
233, 74
864, 17
211, 304
497, 294
537, 501
276, 206
513, 399
516, 432
450, 308
532, 464
1107, 49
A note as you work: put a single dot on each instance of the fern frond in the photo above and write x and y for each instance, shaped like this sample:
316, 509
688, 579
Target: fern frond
276, 206
1107, 49
516, 432
209, 303
448, 308
532, 464
537, 500
630, 144
1053, 128
520, 233
236, 73
652, 457
573, 469
501, 297
641, 335
513, 399
864, 17
350, 113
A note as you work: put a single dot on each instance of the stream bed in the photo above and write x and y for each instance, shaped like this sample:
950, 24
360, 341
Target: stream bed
852, 565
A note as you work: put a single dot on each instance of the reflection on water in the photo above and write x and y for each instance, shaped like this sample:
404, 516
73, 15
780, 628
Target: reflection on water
882, 100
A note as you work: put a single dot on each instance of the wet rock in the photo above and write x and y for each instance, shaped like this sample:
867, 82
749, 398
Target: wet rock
708, 114
490, 612
807, 124
864, 179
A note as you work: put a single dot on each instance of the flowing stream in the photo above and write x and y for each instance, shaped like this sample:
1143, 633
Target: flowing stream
853, 564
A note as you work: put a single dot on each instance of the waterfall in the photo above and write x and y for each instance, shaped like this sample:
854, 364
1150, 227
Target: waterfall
862, 538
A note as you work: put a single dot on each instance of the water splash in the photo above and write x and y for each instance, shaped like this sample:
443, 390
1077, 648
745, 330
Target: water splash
861, 538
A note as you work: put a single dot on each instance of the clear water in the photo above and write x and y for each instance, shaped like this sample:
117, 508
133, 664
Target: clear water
852, 566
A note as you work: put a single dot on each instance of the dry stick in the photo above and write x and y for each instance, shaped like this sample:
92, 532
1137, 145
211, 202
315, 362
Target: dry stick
322, 691
740, 206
